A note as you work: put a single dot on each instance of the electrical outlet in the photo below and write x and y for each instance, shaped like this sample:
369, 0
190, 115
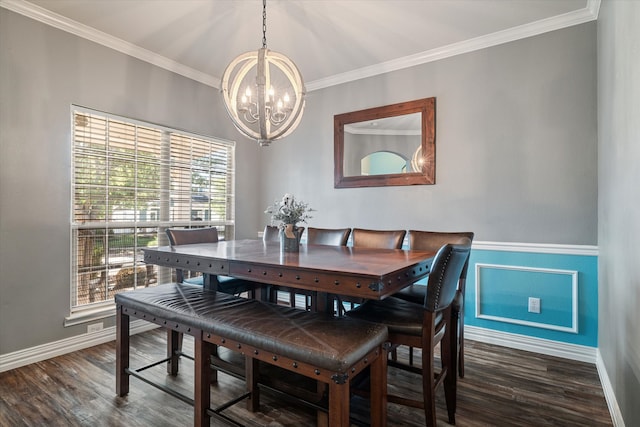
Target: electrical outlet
94, 327
534, 305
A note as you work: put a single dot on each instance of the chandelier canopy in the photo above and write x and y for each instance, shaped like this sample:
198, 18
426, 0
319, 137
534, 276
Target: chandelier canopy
263, 92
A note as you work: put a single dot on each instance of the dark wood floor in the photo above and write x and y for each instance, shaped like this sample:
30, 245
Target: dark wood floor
502, 387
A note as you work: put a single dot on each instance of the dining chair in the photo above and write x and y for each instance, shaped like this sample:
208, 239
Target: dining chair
328, 236
432, 241
425, 326
272, 234
366, 238
383, 239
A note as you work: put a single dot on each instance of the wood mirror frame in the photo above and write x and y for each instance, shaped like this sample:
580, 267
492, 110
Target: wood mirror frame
427, 108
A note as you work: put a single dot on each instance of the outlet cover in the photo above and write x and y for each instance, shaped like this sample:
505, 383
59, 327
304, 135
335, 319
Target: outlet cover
94, 327
534, 305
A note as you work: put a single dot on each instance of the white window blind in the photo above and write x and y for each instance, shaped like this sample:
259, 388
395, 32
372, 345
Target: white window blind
130, 181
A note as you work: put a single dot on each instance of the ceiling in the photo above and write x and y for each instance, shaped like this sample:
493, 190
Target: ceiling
331, 41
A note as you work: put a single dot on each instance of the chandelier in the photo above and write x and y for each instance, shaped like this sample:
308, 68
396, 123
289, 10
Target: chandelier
263, 92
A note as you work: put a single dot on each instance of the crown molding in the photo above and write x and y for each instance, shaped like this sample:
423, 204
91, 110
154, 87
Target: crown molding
587, 14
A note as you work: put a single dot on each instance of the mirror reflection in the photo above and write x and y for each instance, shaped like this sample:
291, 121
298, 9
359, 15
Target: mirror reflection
381, 146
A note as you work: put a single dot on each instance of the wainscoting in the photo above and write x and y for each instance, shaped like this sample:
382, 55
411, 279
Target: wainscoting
563, 278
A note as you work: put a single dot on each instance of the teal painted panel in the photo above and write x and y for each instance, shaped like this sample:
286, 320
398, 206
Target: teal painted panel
504, 293
504, 299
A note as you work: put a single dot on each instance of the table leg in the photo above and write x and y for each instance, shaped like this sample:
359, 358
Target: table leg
322, 303
210, 282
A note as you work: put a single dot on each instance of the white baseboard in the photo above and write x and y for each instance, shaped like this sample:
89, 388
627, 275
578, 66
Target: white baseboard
42, 352
535, 345
553, 348
609, 395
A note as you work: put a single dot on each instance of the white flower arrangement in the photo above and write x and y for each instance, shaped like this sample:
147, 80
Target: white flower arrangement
289, 211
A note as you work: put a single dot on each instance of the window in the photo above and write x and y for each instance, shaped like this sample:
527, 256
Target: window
130, 181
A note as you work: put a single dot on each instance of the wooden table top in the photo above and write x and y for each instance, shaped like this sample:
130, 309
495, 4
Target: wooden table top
343, 270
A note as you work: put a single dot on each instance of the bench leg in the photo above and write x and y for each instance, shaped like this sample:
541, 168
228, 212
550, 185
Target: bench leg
379, 390
122, 353
174, 346
339, 404
202, 391
251, 376
322, 418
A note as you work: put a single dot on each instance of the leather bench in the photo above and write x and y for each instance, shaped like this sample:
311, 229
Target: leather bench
327, 349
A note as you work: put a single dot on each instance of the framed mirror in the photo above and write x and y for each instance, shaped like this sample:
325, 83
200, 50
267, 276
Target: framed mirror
386, 146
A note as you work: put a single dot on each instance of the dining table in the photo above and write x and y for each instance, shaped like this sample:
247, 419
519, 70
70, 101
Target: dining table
368, 273
328, 271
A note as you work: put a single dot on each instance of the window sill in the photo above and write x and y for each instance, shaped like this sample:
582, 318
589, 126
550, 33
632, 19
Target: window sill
86, 316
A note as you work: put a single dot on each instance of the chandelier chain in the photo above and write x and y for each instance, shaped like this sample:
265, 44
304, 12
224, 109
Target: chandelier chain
264, 24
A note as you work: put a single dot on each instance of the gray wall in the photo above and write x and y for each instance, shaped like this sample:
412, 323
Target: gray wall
619, 203
43, 72
516, 150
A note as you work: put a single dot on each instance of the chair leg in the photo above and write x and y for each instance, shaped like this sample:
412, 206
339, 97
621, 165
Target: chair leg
309, 301
448, 353
340, 311
460, 344
122, 352
428, 383
292, 299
